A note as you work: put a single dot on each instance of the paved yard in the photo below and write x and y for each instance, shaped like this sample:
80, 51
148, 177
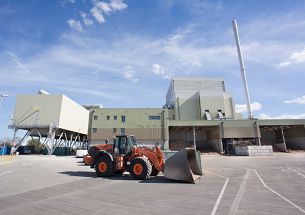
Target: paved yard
231, 185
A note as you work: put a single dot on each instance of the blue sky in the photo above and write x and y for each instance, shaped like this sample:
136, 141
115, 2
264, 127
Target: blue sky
123, 53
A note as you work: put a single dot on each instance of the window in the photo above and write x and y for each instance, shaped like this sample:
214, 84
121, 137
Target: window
94, 130
114, 130
154, 117
123, 118
122, 131
115, 117
108, 117
95, 117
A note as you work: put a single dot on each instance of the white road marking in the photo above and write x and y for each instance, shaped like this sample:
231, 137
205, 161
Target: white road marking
219, 198
301, 174
239, 195
296, 171
273, 191
6, 172
236, 167
212, 173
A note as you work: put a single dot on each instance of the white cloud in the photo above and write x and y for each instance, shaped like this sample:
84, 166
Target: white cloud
104, 6
97, 12
86, 20
284, 64
118, 5
64, 2
264, 116
300, 100
283, 116
295, 58
75, 25
242, 108
98, 15
129, 74
158, 70
18, 62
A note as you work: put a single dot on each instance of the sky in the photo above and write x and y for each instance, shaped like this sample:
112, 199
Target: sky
123, 53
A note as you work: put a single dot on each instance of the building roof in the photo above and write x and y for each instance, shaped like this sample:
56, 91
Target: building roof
197, 78
238, 123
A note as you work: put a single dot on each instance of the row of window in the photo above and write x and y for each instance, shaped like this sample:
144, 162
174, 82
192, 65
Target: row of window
123, 118
154, 117
114, 130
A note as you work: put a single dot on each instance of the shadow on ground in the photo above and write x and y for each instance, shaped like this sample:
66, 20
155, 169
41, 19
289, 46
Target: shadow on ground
80, 174
152, 179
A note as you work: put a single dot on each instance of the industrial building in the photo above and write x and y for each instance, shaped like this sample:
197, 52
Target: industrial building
147, 124
199, 113
56, 120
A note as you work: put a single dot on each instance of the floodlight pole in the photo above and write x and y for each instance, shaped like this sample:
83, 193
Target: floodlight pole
242, 67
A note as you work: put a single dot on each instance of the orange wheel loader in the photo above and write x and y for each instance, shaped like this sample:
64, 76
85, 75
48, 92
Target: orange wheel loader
142, 162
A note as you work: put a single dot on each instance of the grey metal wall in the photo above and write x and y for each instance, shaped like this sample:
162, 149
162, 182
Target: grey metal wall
207, 138
295, 138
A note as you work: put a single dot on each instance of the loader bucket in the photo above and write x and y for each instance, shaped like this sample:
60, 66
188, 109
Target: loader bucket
185, 166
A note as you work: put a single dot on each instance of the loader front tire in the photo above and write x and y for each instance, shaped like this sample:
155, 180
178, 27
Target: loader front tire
140, 168
104, 166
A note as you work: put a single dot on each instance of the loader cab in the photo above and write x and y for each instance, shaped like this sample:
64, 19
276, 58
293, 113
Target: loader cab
123, 144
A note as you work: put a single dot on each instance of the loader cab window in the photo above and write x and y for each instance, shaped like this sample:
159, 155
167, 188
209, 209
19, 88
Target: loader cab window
131, 142
121, 145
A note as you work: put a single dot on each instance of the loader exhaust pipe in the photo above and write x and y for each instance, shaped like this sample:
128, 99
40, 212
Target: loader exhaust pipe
185, 166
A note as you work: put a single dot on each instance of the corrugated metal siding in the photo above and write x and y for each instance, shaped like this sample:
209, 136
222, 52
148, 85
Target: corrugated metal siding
146, 133
240, 132
282, 122
193, 123
140, 133
41, 110
48, 109
213, 133
294, 132
226, 123
195, 84
185, 105
135, 118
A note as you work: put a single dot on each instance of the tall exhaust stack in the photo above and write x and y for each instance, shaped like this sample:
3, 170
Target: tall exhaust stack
242, 68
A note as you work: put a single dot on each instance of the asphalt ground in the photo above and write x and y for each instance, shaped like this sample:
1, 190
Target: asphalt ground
230, 185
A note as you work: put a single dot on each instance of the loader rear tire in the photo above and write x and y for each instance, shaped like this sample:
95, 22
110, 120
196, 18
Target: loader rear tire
140, 168
154, 171
104, 166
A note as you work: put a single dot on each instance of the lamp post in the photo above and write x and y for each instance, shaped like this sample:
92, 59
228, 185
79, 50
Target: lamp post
1, 97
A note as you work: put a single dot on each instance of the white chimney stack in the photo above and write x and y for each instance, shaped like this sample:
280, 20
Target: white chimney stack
242, 68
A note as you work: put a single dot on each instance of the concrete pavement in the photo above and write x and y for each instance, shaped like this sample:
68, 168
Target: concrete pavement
231, 185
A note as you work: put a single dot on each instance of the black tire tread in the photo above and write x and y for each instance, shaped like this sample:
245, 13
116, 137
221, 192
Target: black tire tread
107, 160
146, 165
